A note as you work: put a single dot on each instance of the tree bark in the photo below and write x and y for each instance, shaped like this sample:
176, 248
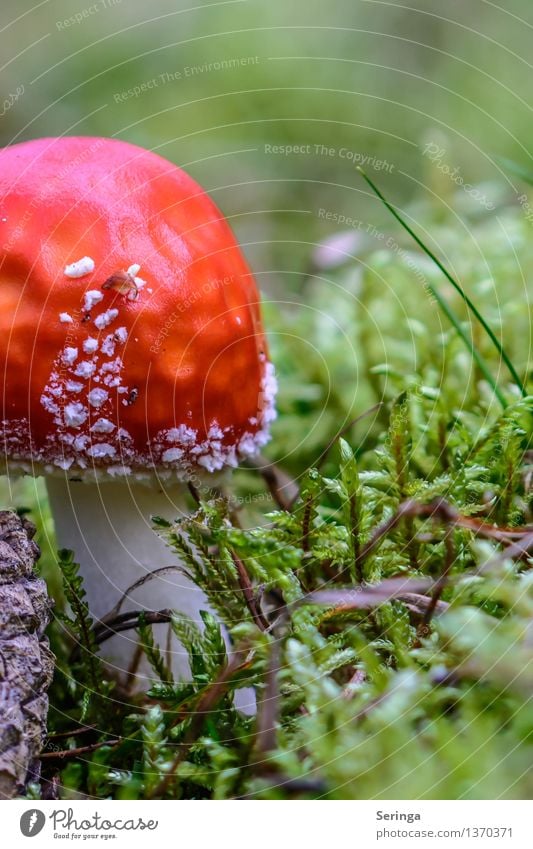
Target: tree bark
26, 662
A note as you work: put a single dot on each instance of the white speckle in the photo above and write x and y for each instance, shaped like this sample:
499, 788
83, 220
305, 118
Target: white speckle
69, 356
121, 334
90, 345
64, 463
182, 434
103, 426
80, 268
171, 454
119, 471
101, 449
80, 442
262, 437
75, 414
97, 397
114, 366
85, 369
267, 395
73, 386
49, 405
105, 318
65, 318
113, 381
231, 458
215, 432
91, 298
247, 444
108, 345
212, 462
133, 271
238, 319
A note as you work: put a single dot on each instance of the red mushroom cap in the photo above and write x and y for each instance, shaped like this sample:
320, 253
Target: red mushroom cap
130, 329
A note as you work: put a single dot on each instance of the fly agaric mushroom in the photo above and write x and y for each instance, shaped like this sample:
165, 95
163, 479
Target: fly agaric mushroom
132, 353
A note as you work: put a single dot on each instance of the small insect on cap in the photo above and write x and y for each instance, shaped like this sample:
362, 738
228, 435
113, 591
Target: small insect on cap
130, 329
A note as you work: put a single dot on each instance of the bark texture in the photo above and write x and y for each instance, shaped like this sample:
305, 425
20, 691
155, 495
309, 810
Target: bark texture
26, 662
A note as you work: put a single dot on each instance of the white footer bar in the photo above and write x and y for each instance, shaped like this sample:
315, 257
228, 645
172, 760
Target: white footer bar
269, 825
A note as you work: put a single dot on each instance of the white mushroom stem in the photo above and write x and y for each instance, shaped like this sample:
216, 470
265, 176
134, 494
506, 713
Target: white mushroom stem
108, 526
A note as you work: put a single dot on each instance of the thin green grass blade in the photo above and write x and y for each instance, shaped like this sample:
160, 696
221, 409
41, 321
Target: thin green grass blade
453, 318
516, 169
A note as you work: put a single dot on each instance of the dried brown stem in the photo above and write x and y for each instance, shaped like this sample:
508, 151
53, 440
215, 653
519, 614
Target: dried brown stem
64, 754
127, 621
248, 592
267, 717
449, 515
443, 578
